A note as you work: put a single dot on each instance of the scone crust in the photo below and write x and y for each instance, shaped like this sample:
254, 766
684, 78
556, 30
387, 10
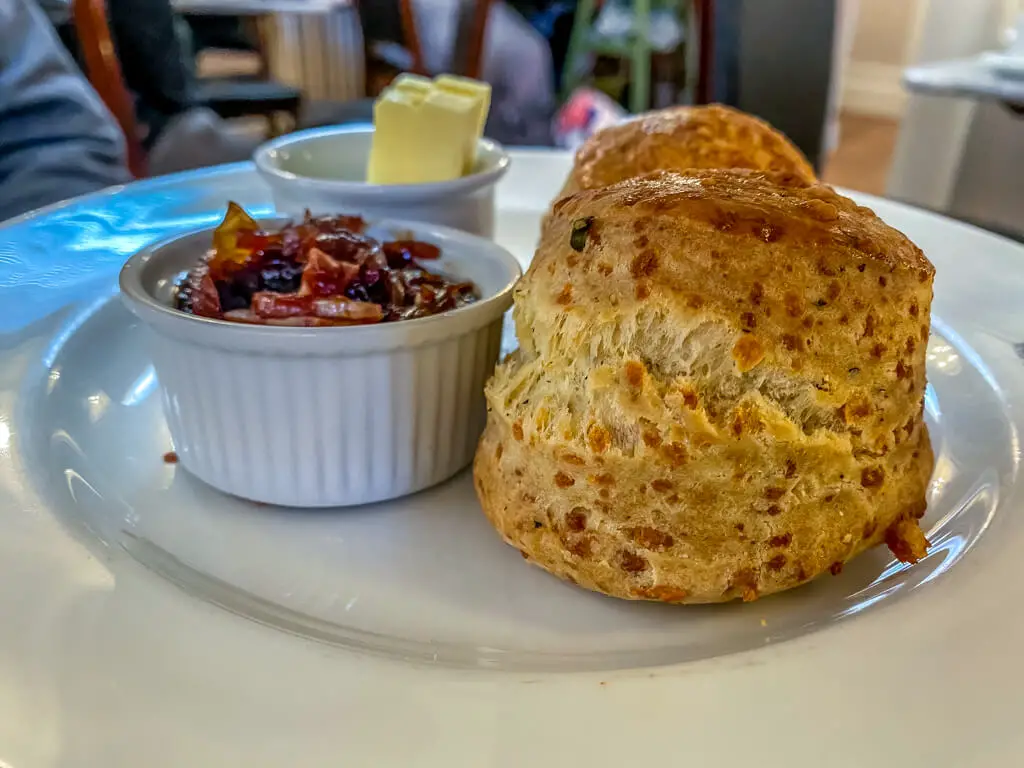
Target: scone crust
718, 392
681, 138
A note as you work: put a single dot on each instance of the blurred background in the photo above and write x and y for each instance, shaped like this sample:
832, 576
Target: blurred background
920, 100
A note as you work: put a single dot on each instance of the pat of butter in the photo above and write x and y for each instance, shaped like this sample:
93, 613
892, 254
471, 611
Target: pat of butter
479, 92
421, 137
412, 84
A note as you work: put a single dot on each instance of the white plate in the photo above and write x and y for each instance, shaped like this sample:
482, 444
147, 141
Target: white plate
406, 634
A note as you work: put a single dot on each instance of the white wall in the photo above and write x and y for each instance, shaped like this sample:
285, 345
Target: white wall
883, 36
883, 31
935, 130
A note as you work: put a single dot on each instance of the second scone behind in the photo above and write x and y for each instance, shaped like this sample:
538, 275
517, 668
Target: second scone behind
718, 392
682, 138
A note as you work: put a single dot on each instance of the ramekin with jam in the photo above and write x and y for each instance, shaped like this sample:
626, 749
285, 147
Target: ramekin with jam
327, 362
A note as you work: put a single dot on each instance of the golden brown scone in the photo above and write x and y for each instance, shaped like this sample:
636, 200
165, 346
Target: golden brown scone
681, 138
718, 391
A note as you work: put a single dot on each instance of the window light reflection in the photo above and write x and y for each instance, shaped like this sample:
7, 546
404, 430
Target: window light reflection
97, 404
943, 356
140, 388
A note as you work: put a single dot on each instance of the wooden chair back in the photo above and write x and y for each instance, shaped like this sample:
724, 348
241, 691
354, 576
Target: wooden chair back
470, 35
705, 12
411, 37
104, 72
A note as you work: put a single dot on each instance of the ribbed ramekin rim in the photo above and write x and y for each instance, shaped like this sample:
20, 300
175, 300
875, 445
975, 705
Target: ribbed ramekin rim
361, 189
483, 309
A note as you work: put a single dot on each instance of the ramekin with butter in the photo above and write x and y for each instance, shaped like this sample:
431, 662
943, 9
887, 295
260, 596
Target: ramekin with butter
423, 160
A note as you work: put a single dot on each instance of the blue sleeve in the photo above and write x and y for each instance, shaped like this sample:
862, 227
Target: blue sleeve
57, 140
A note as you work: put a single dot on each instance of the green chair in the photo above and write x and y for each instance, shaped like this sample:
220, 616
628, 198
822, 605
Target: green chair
636, 47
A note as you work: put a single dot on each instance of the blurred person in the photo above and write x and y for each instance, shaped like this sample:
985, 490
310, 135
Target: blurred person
57, 140
57, 11
553, 19
516, 62
154, 50
154, 47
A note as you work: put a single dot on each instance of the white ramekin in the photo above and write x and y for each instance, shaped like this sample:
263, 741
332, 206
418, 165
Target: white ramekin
324, 170
315, 417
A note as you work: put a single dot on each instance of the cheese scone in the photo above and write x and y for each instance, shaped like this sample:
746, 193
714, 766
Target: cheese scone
718, 391
680, 138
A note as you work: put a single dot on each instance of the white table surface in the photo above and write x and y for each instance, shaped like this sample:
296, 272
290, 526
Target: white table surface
971, 78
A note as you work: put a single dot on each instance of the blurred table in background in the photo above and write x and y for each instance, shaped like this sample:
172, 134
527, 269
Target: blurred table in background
314, 45
986, 185
971, 78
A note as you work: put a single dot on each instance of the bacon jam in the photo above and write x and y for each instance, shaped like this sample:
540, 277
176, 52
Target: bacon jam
323, 271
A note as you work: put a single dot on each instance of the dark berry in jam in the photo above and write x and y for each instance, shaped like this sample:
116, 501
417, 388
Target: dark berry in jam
358, 292
280, 276
237, 292
322, 271
369, 276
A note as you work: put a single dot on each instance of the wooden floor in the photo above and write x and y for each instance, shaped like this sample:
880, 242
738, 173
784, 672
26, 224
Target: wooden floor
862, 159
